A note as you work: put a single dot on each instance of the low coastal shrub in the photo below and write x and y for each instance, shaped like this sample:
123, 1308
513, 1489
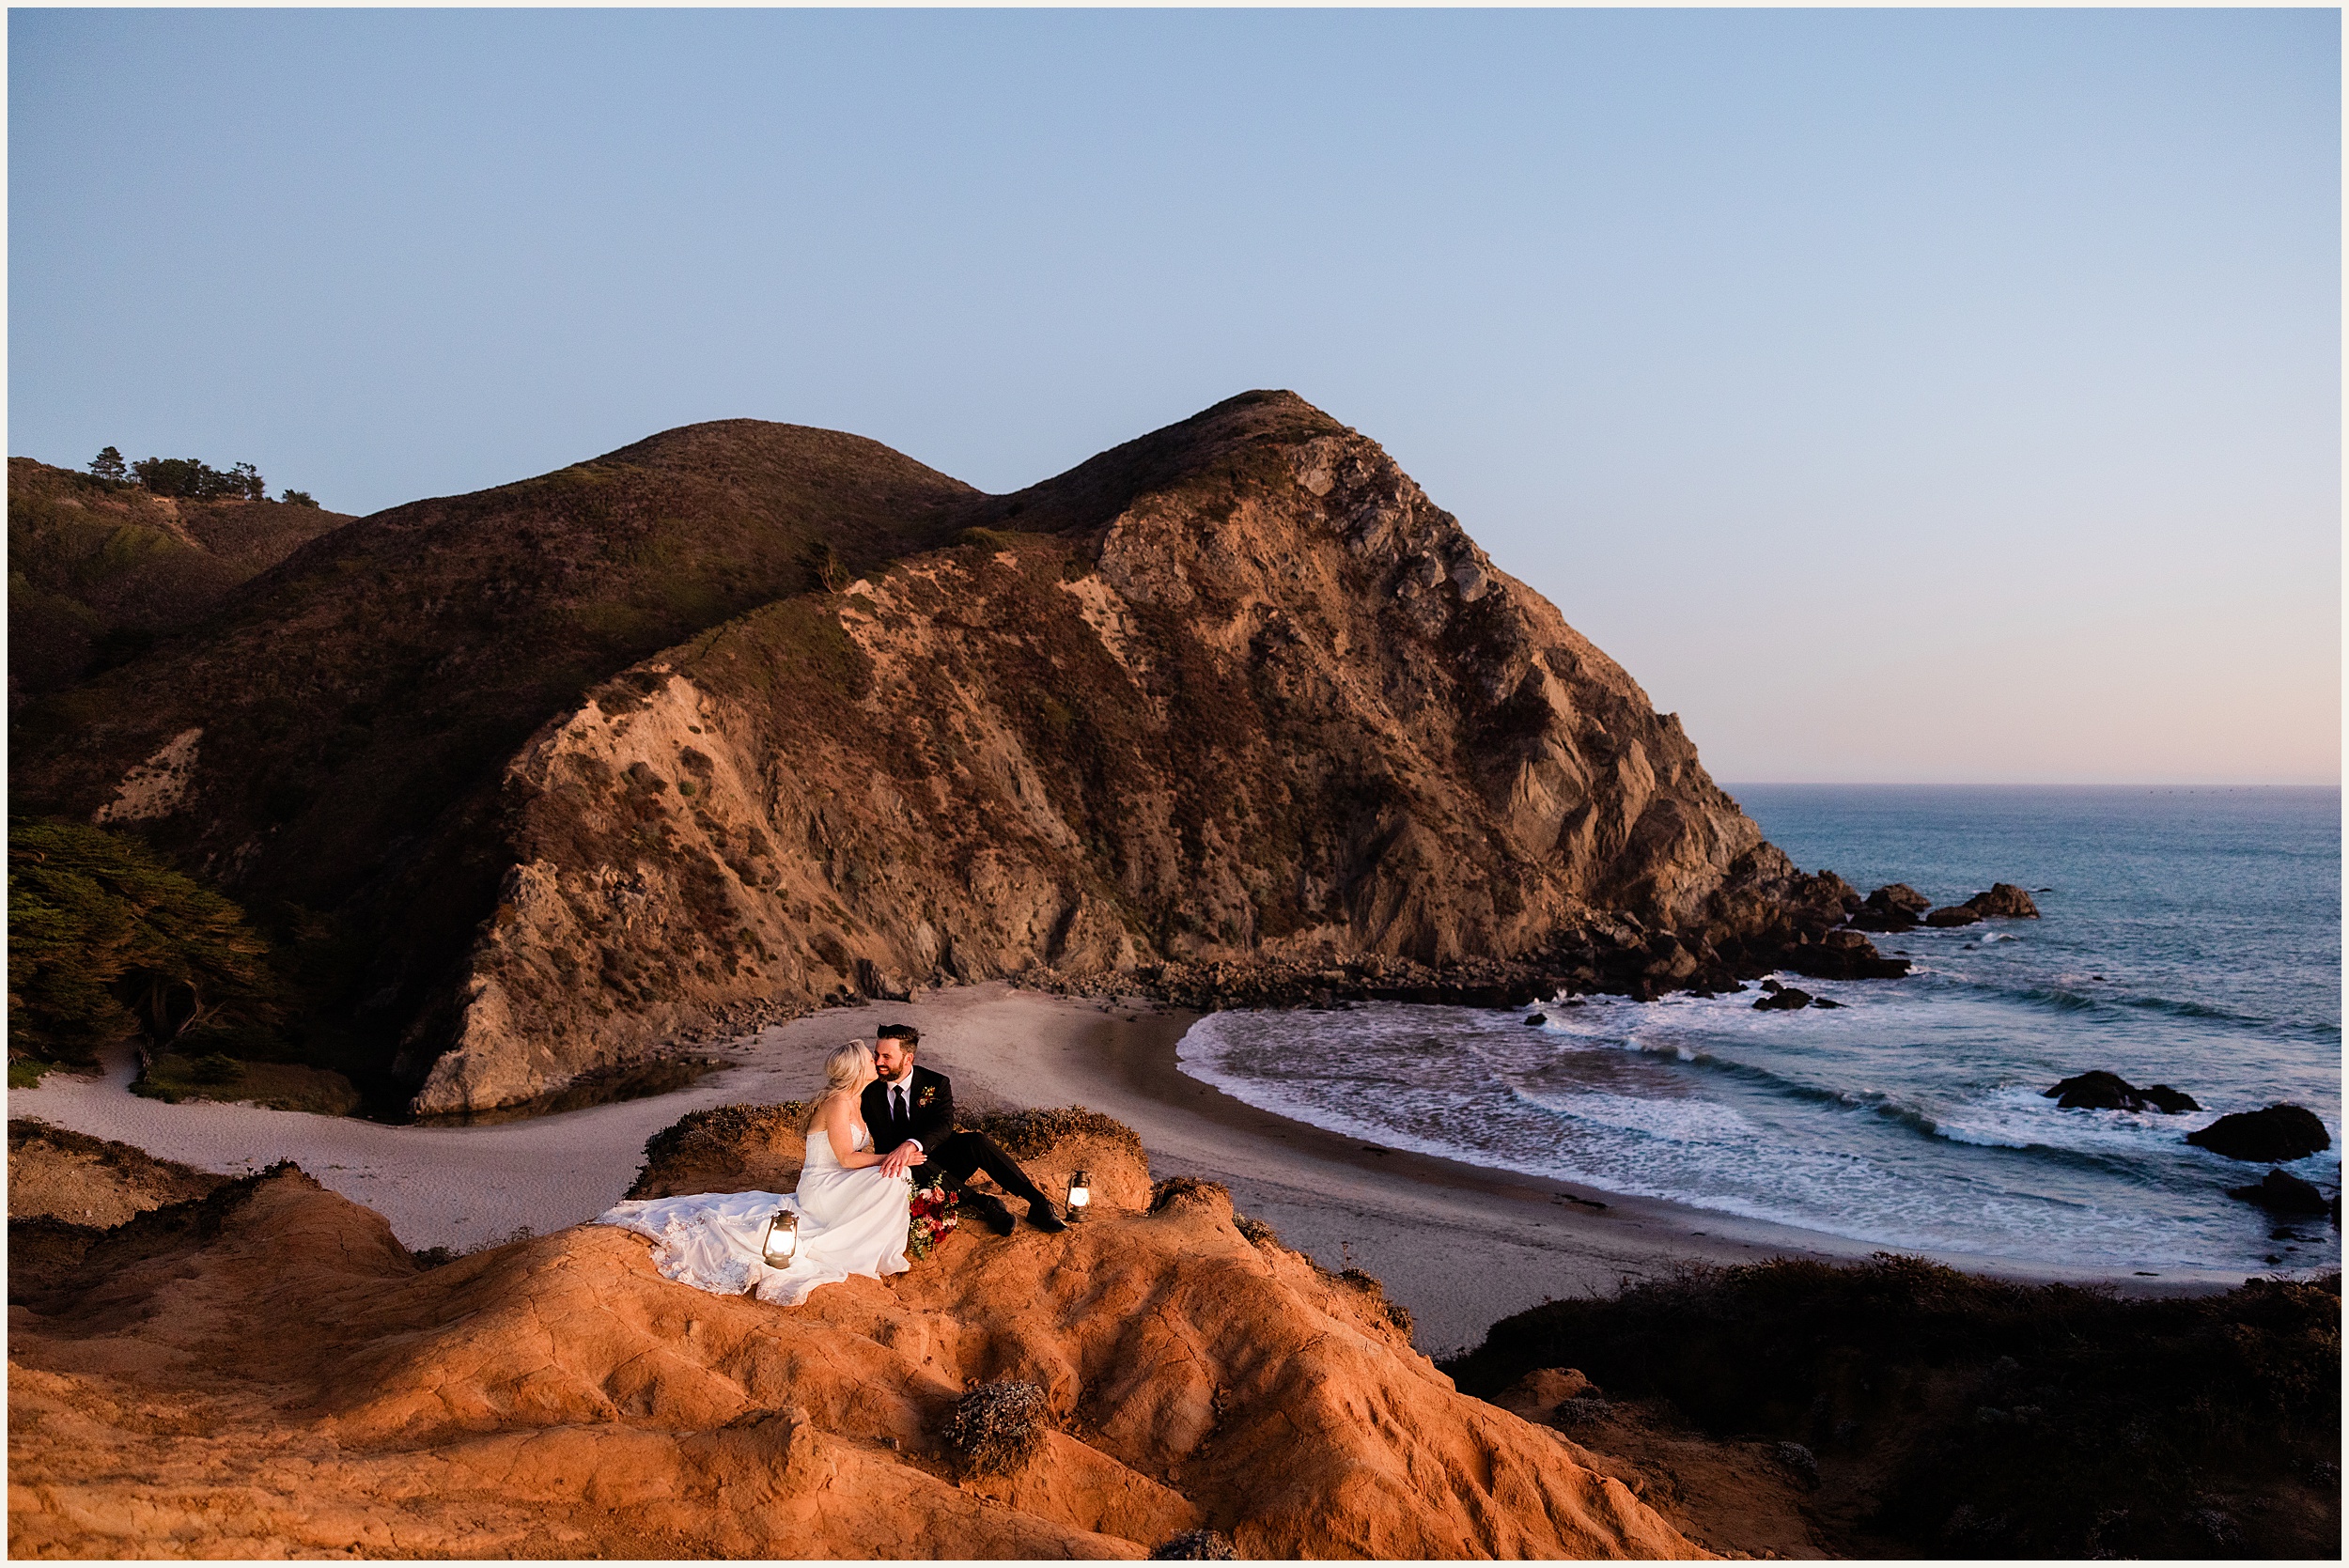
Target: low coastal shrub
1194, 1545
172, 1078
998, 1426
1028, 1134
1256, 1231
1985, 1418
106, 941
1185, 1189
1397, 1312
713, 1138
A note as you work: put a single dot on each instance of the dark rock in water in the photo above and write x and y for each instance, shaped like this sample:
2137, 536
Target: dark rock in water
1784, 1000
2281, 1192
2278, 1133
1900, 897
1895, 906
1956, 914
1840, 955
2004, 901
1771, 987
1538, 1020
1824, 1001
2103, 1091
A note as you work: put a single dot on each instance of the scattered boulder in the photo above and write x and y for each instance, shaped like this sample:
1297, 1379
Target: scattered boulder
1537, 1020
1784, 1000
2278, 1133
1824, 1001
2281, 1192
1956, 914
2103, 1091
2004, 901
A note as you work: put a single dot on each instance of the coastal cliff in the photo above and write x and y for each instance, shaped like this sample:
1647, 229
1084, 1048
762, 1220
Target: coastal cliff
1237, 693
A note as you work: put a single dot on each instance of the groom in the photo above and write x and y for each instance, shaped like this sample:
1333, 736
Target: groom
910, 1112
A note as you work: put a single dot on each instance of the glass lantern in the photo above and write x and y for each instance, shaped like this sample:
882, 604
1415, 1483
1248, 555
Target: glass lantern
781, 1243
1080, 1193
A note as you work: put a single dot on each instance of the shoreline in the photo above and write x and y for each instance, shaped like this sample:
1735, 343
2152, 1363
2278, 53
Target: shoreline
1462, 1246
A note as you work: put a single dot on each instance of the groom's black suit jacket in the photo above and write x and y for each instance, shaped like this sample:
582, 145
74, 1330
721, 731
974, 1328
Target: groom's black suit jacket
929, 1111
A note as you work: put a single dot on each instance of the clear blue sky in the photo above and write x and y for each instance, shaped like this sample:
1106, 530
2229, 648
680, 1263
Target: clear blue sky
1900, 396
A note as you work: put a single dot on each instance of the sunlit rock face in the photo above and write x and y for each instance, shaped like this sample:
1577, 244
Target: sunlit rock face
747, 716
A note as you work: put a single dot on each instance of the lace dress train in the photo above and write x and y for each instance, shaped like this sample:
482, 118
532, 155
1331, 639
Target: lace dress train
851, 1222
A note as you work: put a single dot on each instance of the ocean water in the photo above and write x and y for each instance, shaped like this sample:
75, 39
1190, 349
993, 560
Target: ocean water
2190, 937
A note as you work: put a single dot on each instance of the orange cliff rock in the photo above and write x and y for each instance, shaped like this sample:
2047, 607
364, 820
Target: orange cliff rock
266, 1371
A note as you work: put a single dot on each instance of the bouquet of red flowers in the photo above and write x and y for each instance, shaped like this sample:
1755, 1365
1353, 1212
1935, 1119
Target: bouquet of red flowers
929, 1214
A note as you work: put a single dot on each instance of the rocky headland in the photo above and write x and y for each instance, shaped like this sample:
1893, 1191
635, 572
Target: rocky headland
548, 780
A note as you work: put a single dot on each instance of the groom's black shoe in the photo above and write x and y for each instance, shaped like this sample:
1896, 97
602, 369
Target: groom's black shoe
990, 1210
1040, 1215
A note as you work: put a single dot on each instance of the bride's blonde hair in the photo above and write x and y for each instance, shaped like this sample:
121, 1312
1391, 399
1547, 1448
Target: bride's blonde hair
844, 1070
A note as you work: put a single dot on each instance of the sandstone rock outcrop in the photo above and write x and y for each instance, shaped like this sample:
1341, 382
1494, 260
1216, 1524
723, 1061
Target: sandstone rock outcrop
595, 780
267, 1372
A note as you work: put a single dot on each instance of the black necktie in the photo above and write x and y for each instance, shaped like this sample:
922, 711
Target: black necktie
901, 1090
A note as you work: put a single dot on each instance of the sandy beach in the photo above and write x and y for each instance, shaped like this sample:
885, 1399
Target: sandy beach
1458, 1245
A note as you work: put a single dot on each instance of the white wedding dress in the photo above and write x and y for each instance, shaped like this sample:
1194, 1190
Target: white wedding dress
851, 1222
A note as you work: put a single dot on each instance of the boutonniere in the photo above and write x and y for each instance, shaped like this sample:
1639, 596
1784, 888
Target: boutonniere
926, 1096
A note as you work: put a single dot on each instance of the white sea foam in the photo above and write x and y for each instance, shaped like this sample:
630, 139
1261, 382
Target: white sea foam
1805, 1118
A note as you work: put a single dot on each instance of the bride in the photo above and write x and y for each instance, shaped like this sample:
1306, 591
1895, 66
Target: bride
852, 1217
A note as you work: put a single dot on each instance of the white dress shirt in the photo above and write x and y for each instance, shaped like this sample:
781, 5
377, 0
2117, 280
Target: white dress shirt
901, 1102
